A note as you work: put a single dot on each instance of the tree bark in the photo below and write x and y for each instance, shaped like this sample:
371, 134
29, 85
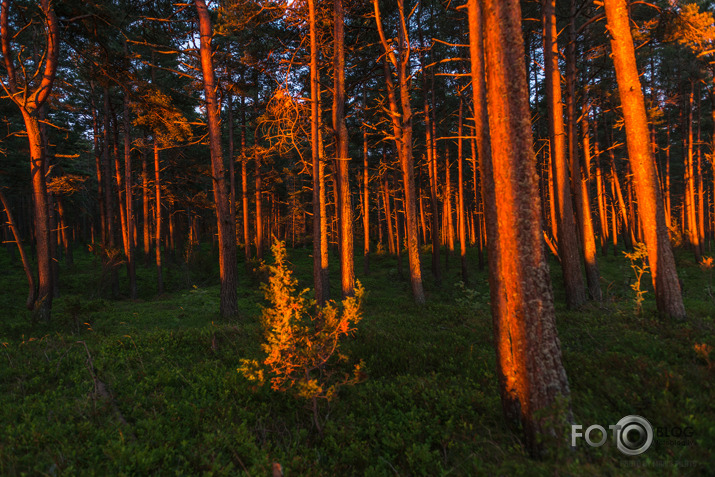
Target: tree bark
29, 103
532, 379
660, 256
347, 265
226, 224
318, 282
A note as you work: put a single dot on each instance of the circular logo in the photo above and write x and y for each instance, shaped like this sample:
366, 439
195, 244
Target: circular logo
634, 435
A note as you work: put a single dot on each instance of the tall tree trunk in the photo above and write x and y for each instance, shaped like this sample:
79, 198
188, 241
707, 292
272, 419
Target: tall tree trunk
146, 225
157, 220
431, 161
231, 163
650, 204
318, 282
567, 231
460, 199
690, 206
579, 174
589, 240
226, 223
365, 196
532, 379
402, 128
347, 266
29, 103
131, 226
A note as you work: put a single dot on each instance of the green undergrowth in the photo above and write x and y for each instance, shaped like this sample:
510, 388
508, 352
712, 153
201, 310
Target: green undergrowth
174, 403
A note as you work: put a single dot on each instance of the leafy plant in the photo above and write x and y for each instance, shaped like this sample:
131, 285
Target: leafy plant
303, 349
639, 263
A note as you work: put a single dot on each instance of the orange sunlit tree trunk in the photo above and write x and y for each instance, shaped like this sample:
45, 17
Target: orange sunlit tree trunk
650, 204
320, 296
342, 159
29, 102
532, 378
226, 224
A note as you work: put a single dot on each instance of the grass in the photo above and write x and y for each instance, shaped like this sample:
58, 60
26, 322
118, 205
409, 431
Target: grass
430, 405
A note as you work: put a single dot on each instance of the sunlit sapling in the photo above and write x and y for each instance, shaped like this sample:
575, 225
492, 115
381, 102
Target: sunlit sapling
639, 263
302, 347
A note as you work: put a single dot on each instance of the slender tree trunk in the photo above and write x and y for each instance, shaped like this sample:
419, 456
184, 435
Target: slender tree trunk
690, 206
226, 223
157, 220
589, 241
431, 163
347, 265
131, 226
65, 233
146, 225
660, 256
244, 183
366, 197
402, 128
314, 140
567, 231
460, 200
532, 379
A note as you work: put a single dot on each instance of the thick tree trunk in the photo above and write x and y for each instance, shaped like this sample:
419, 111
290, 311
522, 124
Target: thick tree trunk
660, 256
532, 379
226, 223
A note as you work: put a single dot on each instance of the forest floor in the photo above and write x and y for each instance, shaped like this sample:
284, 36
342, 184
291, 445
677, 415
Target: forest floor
150, 387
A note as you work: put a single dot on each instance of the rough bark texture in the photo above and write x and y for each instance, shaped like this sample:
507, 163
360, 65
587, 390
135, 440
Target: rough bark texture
226, 224
650, 204
532, 379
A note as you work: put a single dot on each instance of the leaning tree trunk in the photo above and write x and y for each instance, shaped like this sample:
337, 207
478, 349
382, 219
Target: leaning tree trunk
650, 204
226, 224
532, 379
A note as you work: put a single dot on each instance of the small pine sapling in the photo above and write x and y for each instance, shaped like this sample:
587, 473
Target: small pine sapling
303, 348
639, 263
